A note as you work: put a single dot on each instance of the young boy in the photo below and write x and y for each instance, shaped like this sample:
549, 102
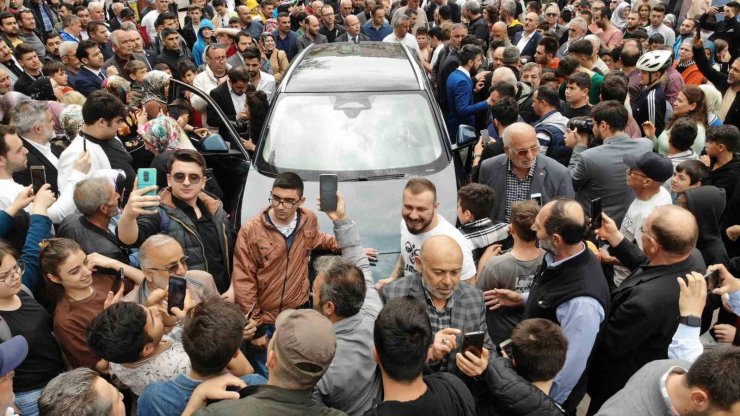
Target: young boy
136, 71
576, 96
56, 71
474, 203
689, 174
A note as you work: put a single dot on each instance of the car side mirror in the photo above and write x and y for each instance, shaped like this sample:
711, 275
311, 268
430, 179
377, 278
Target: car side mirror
214, 143
466, 135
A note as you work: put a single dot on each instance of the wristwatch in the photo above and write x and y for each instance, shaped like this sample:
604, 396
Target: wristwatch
476, 155
690, 320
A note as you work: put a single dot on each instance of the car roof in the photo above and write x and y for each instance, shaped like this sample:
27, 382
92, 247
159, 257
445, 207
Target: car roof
349, 67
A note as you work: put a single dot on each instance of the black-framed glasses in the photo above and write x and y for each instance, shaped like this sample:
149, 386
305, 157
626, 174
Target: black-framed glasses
192, 177
18, 268
551, 14
275, 202
172, 268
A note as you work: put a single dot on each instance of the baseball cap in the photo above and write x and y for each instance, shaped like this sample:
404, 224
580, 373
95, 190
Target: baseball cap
12, 354
655, 166
305, 342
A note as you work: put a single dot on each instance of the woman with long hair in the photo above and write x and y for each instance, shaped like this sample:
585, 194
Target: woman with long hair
690, 103
644, 11
686, 66
255, 111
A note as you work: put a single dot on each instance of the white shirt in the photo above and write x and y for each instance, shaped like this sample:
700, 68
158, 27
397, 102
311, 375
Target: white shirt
267, 85
411, 246
66, 174
408, 40
435, 54
239, 101
523, 41
149, 22
59, 210
46, 151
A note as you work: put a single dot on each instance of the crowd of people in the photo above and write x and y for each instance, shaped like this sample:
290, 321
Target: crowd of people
590, 269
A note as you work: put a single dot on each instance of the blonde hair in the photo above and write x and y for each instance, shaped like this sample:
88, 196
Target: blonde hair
73, 97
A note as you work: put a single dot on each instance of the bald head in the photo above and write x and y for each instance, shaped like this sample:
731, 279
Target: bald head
441, 246
561, 226
440, 264
674, 229
498, 31
518, 132
503, 74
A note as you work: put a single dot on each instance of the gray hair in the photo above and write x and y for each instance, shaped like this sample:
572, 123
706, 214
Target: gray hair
511, 55
595, 41
66, 47
472, 6
149, 246
400, 20
458, 26
530, 66
580, 22
551, 5
90, 194
323, 264
504, 74
509, 6
369, 3
115, 35
129, 27
240, 7
9, 101
117, 7
94, 5
69, 20
345, 2
28, 114
74, 393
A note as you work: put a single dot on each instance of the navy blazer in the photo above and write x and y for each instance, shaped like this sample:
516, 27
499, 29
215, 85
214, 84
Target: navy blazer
461, 108
531, 47
87, 81
292, 43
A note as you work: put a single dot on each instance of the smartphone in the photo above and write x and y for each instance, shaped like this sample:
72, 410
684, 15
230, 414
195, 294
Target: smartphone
486, 137
147, 177
119, 282
712, 279
38, 177
596, 214
328, 192
176, 293
537, 198
505, 347
473, 342
248, 316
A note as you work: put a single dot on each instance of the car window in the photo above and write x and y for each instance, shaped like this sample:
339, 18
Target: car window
354, 133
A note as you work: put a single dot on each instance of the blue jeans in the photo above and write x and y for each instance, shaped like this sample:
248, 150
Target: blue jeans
258, 357
28, 402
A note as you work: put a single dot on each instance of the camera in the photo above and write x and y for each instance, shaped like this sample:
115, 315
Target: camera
581, 125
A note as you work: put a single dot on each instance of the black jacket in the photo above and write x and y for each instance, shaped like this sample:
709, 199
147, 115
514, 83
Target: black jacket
171, 59
453, 398
501, 391
35, 157
222, 97
719, 80
454, 8
725, 177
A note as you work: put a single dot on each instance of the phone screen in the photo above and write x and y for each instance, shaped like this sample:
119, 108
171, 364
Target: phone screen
473, 342
248, 316
505, 347
328, 192
117, 284
712, 279
176, 293
536, 198
38, 177
596, 214
486, 137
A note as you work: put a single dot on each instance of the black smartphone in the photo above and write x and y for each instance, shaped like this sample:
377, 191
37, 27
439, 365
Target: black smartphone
505, 347
176, 293
712, 279
537, 198
38, 177
473, 342
119, 282
596, 221
248, 316
328, 192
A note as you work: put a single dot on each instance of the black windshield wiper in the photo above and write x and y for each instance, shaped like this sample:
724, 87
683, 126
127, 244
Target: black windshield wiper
377, 177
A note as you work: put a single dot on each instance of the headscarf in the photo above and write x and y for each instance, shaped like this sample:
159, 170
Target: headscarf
617, 19
154, 85
71, 120
117, 86
710, 45
163, 134
42, 90
8, 102
55, 108
712, 96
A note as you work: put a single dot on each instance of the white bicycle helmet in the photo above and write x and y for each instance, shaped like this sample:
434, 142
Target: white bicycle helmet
654, 61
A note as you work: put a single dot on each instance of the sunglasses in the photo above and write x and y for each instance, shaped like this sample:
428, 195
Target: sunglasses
193, 177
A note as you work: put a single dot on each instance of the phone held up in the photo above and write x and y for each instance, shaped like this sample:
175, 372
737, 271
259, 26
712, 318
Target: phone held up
328, 192
473, 342
176, 293
147, 177
38, 177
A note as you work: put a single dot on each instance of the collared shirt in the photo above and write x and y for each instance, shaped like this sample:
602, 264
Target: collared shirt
408, 40
266, 85
239, 101
99, 73
46, 151
664, 389
686, 344
523, 41
517, 189
440, 319
734, 301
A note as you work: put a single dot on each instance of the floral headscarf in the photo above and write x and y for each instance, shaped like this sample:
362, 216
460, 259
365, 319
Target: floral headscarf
71, 120
162, 134
154, 86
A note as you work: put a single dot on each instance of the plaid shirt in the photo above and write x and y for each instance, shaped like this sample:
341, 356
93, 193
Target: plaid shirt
482, 233
517, 189
440, 319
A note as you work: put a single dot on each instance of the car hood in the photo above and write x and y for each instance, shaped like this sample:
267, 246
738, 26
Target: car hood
375, 206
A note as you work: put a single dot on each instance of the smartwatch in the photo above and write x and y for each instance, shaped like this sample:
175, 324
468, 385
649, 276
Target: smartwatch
690, 320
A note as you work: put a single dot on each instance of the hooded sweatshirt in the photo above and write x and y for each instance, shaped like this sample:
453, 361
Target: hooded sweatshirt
200, 44
707, 203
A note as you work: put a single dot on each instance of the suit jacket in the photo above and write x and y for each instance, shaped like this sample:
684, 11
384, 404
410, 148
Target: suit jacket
531, 47
345, 37
551, 180
87, 81
292, 43
461, 108
35, 157
641, 321
222, 97
454, 8
113, 62
468, 312
304, 42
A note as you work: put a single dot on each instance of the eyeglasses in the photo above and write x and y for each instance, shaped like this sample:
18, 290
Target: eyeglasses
524, 152
193, 177
217, 59
631, 171
172, 268
18, 268
551, 14
275, 202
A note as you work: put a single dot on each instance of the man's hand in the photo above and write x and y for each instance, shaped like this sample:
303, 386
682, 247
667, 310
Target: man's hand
228, 296
187, 305
479, 86
260, 343
138, 202
609, 231
338, 214
250, 329
497, 298
729, 12
371, 253
112, 70
445, 341
471, 365
705, 160
733, 232
248, 145
481, 75
649, 128
113, 297
693, 294
728, 282
724, 333
380, 284
156, 297
82, 163
22, 200
607, 258
43, 200
213, 389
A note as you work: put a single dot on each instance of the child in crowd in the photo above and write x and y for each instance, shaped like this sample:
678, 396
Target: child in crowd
56, 71
136, 70
689, 174
474, 203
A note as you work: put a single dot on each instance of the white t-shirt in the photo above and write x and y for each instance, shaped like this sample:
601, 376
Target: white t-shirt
411, 246
637, 213
149, 22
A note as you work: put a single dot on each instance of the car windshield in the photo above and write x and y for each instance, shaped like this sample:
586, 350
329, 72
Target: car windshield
354, 135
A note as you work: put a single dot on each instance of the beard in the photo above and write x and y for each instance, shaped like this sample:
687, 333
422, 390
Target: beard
418, 226
548, 246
